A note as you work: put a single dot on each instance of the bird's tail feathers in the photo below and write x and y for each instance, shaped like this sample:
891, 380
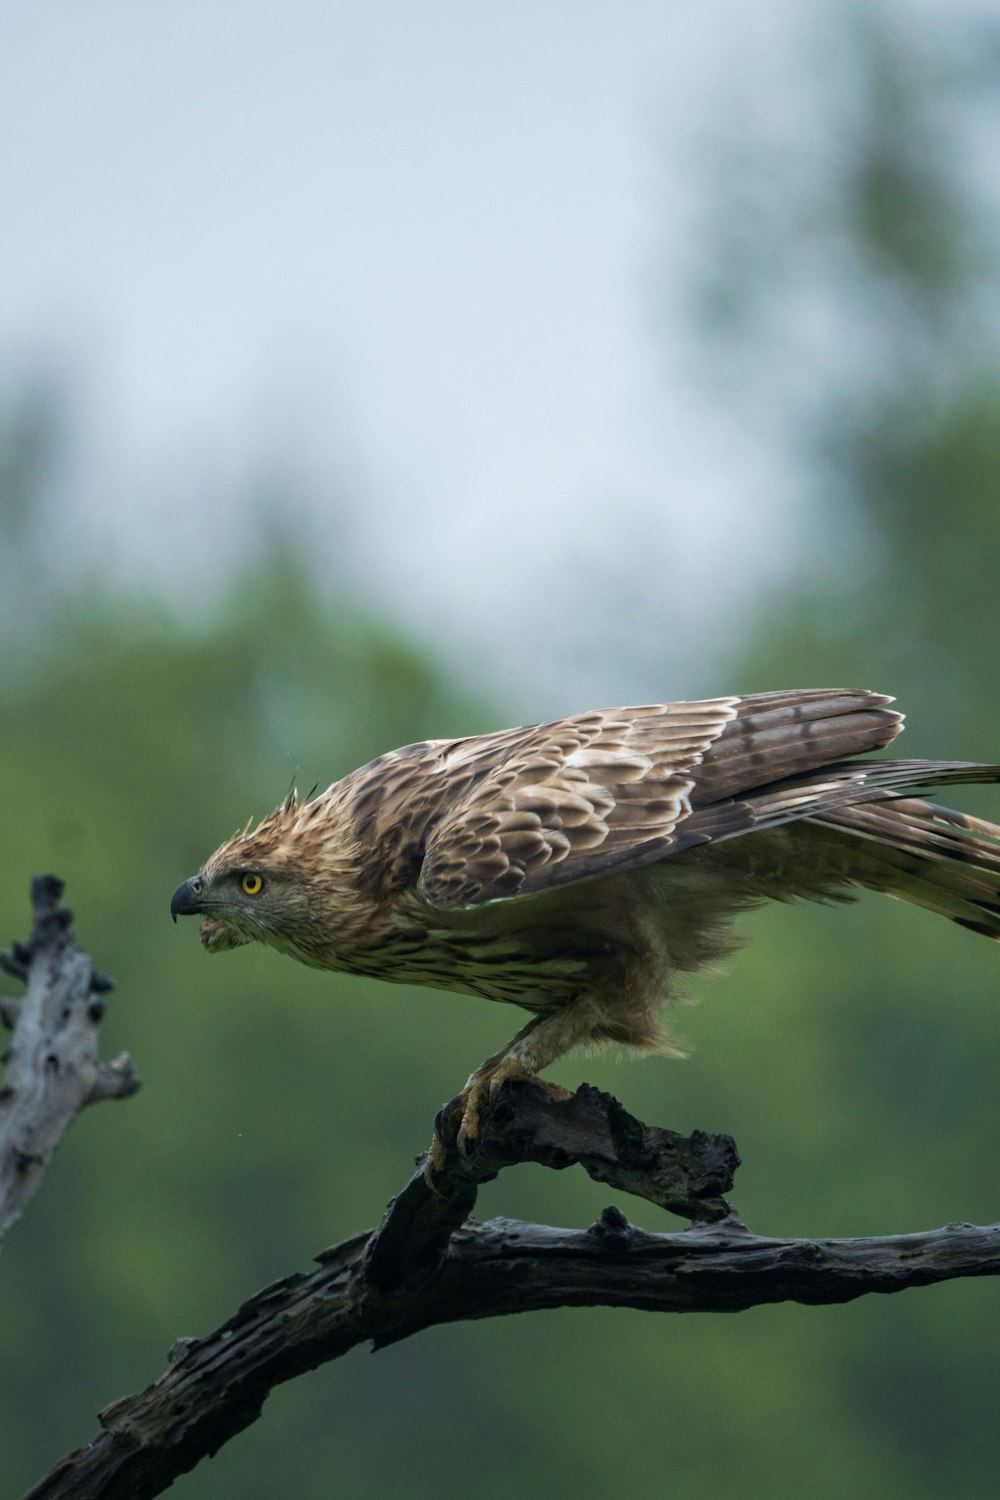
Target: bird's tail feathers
859, 781
917, 851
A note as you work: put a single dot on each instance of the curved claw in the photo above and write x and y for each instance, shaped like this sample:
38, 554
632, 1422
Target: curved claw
470, 1108
434, 1162
480, 1094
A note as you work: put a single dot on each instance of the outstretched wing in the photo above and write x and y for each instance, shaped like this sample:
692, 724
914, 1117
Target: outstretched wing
537, 809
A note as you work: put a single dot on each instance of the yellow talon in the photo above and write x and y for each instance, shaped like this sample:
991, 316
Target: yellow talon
479, 1094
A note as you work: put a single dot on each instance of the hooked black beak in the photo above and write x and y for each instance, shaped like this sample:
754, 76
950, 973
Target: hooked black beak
186, 900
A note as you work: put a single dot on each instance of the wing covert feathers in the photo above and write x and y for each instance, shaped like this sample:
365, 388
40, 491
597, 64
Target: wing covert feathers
553, 805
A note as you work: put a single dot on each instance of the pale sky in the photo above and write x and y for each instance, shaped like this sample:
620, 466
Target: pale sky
424, 255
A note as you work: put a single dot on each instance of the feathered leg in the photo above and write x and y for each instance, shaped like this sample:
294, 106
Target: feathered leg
535, 1046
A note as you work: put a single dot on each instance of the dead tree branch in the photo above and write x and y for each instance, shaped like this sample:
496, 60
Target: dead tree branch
686, 1175
428, 1263
52, 1065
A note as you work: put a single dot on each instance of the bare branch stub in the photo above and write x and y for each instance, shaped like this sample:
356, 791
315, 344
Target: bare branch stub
53, 1069
686, 1175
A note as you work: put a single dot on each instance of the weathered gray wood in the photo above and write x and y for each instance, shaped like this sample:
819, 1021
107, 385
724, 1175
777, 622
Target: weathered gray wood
52, 1064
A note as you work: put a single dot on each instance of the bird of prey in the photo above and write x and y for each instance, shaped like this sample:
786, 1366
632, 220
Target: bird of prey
576, 869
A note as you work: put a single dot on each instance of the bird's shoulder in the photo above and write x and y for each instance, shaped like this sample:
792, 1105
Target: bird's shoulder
477, 818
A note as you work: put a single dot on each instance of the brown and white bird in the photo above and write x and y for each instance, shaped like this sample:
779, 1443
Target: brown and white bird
575, 869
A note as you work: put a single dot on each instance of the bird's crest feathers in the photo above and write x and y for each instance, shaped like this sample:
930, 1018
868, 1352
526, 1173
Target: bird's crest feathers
275, 835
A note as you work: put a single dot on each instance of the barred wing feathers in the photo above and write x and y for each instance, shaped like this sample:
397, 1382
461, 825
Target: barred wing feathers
931, 856
614, 790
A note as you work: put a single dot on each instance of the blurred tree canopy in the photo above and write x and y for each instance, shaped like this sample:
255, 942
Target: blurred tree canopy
851, 1051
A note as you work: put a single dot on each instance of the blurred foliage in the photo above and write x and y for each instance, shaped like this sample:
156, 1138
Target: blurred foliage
851, 1051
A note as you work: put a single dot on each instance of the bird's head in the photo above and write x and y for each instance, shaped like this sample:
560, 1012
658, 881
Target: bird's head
257, 886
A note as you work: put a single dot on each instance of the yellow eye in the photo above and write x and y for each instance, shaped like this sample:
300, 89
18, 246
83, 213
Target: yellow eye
252, 884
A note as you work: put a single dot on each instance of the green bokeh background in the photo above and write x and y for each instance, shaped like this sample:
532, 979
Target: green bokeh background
852, 1051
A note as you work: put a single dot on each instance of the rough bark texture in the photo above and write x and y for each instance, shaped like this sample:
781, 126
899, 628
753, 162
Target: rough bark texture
428, 1262
216, 1386
686, 1175
52, 1065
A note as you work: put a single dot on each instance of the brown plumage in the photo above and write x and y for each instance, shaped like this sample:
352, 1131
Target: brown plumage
575, 868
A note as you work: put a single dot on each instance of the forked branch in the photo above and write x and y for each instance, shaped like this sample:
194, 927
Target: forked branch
428, 1262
